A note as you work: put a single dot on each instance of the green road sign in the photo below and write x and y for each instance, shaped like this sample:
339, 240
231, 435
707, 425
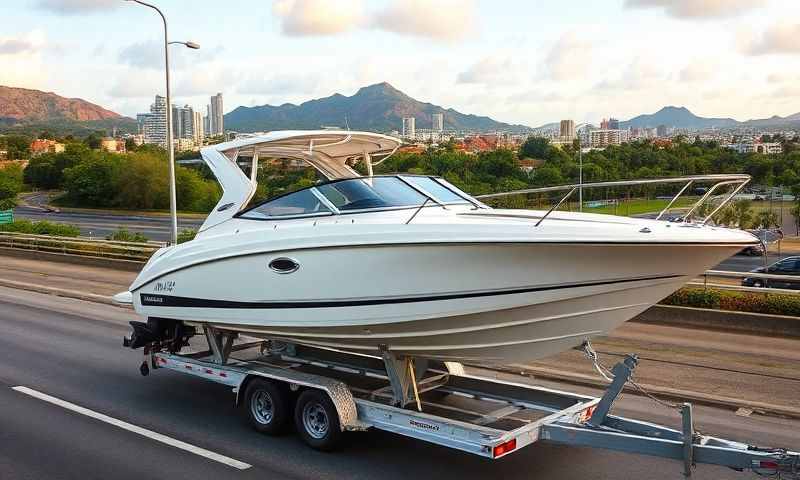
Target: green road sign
6, 216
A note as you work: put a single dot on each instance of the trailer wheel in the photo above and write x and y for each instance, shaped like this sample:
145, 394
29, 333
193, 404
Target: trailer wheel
317, 420
267, 406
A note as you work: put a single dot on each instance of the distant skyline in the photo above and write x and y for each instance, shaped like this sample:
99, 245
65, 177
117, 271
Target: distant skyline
519, 62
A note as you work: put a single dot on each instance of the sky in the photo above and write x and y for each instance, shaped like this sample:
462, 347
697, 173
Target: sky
518, 61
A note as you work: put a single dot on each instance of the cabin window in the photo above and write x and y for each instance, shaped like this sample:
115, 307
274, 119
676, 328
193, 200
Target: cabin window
300, 203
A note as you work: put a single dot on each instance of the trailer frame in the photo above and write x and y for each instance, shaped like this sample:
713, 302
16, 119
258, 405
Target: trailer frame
482, 416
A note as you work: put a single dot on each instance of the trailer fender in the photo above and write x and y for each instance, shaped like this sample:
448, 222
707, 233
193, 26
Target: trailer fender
338, 392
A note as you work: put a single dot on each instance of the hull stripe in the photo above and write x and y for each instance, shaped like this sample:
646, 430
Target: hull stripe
156, 300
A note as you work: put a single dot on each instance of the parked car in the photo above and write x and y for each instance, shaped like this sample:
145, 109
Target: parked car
789, 266
753, 251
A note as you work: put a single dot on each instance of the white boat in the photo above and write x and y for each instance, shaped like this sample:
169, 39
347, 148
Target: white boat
411, 264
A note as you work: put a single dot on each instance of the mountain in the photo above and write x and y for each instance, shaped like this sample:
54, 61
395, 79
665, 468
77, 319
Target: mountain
681, 117
24, 109
379, 107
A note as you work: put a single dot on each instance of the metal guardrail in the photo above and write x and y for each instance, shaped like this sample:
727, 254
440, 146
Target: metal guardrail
719, 180
80, 246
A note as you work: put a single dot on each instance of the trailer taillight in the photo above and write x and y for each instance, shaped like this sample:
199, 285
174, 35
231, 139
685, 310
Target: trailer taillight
504, 448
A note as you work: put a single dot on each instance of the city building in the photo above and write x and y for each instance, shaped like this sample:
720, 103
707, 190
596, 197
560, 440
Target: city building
604, 124
215, 116
438, 122
567, 130
3, 154
40, 146
662, 131
154, 124
183, 144
604, 137
613, 124
198, 130
765, 148
112, 145
408, 127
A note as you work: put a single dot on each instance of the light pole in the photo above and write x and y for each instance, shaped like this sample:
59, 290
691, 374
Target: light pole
580, 166
173, 207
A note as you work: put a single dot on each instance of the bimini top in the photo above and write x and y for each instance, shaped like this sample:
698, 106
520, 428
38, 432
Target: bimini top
331, 152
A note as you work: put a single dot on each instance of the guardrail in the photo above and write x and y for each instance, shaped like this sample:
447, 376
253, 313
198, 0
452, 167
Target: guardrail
113, 249
729, 274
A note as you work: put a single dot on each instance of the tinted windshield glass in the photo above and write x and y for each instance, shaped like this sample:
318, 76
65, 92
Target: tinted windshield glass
442, 193
302, 202
378, 192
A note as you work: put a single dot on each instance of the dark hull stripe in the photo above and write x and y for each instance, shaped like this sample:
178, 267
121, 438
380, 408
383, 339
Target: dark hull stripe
155, 300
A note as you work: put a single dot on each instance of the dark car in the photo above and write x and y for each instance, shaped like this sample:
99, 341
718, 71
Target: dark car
789, 266
752, 251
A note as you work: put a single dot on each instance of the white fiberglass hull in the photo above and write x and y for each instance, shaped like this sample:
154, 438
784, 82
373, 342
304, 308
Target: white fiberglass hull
486, 302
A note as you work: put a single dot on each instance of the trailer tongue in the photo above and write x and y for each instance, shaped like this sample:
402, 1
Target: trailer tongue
327, 392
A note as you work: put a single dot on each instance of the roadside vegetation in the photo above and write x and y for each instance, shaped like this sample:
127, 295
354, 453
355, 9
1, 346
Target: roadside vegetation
125, 235
768, 303
10, 186
41, 228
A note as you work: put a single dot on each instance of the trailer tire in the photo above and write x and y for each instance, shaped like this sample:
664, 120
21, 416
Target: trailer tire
317, 420
267, 405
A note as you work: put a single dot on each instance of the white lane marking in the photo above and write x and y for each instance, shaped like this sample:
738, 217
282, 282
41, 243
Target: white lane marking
133, 428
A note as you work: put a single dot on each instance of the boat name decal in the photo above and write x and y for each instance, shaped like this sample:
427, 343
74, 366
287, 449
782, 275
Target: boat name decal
151, 299
427, 426
167, 286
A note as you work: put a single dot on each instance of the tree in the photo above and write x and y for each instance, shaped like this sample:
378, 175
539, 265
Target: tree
92, 182
10, 186
93, 141
766, 219
535, 147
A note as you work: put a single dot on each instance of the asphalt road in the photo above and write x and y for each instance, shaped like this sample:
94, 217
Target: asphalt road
71, 350
101, 225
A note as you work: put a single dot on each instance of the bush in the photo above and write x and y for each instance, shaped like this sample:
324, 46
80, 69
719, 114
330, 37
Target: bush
125, 235
41, 228
186, 235
10, 186
768, 303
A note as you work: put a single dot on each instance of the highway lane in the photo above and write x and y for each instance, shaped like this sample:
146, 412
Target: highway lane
102, 224
72, 350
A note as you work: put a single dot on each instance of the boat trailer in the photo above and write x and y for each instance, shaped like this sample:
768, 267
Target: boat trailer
332, 391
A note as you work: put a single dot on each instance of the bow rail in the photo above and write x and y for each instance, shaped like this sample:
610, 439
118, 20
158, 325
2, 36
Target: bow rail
719, 180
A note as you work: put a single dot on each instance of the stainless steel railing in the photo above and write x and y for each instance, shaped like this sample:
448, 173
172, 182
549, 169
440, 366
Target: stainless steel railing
718, 180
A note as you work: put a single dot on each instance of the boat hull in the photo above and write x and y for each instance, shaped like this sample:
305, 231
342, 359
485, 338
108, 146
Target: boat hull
495, 303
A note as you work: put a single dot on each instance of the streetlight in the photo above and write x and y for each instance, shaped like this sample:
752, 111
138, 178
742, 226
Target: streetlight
580, 166
173, 208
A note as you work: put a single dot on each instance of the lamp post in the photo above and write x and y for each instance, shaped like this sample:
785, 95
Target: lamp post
580, 166
173, 208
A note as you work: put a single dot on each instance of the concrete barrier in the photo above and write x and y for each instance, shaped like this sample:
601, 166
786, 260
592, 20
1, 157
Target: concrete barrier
752, 323
126, 265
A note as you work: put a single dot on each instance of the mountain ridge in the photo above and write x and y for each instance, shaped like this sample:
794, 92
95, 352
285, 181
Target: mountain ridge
682, 117
377, 107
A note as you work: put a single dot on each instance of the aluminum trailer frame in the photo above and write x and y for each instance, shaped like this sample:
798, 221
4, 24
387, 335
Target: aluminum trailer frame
496, 417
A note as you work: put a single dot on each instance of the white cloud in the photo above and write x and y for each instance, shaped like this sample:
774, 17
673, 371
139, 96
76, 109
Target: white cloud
281, 84
781, 38
447, 20
147, 54
13, 46
699, 9
131, 83
78, 7
569, 58
318, 17
492, 70
699, 70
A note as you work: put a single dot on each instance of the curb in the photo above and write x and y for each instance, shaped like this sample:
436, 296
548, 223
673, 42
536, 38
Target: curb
665, 392
59, 292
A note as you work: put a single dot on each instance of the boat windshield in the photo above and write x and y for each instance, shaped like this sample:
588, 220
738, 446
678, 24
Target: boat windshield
356, 194
375, 192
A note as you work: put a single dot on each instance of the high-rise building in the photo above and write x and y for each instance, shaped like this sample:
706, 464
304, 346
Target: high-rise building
567, 129
154, 126
197, 128
215, 118
408, 127
604, 124
662, 131
613, 124
438, 122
